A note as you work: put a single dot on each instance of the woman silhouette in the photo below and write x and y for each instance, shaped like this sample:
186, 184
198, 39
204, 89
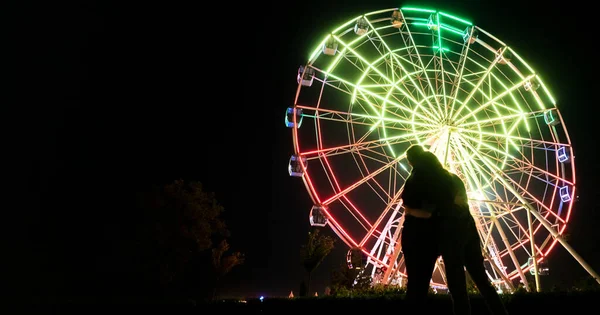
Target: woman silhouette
438, 222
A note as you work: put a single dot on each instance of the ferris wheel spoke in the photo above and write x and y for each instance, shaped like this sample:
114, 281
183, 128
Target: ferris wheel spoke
463, 63
370, 66
382, 98
419, 89
499, 223
492, 122
531, 199
440, 63
422, 67
482, 144
363, 146
520, 170
383, 59
381, 118
481, 80
364, 180
359, 118
525, 193
494, 222
518, 167
518, 164
393, 203
523, 142
488, 103
513, 186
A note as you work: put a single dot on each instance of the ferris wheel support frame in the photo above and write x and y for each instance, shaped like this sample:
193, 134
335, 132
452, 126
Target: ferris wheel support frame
544, 222
387, 248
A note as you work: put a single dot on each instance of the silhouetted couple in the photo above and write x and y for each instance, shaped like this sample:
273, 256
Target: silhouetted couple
437, 221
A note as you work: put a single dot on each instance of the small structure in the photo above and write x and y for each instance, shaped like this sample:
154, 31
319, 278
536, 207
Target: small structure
397, 20
354, 258
470, 35
432, 23
361, 27
295, 166
504, 58
562, 155
551, 117
305, 76
531, 85
565, 195
330, 46
317, 216
289, 117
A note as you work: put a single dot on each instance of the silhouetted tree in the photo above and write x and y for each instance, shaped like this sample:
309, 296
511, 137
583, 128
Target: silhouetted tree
314, 251
180, 222
222, 263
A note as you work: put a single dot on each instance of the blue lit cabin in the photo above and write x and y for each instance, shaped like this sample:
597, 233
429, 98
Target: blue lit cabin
551, 117
317, 216
289, 117
562, 155
305, 76
565, 195
295, 166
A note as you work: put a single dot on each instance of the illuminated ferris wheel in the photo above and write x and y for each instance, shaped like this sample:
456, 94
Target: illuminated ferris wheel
392, 78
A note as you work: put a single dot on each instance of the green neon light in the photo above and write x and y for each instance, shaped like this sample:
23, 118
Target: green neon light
519, 108
394, 57
346, 24
439, 30
420, 23
538, 100
456, 18
417, 9
452, 29
546, 90
502, 121
370, 65
399, 83
318, 49
521, 60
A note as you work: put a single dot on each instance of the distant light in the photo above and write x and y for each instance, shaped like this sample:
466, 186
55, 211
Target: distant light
261, 298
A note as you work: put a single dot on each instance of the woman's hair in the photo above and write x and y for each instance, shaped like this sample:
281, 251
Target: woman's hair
419, 158
413, 153
436, 179
430, 160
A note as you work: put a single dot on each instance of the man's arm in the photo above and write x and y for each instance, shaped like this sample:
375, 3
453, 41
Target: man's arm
412, 198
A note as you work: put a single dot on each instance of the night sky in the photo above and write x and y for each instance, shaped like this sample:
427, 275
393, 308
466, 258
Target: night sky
106, 99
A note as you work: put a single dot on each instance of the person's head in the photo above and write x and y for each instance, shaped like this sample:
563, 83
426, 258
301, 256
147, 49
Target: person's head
413, 153
430, 160
418, 157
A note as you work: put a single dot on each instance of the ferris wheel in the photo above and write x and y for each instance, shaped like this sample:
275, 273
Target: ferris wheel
388, 79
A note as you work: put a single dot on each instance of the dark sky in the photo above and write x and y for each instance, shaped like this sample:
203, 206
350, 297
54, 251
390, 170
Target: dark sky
105, 98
